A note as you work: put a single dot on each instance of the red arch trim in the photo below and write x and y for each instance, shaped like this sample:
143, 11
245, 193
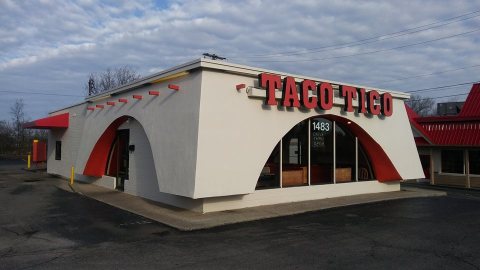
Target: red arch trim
97, 162
382, 166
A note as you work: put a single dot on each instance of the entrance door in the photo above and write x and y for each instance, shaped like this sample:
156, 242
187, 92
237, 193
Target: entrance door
123, 140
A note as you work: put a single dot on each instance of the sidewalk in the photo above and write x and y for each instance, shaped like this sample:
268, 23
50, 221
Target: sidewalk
186, 220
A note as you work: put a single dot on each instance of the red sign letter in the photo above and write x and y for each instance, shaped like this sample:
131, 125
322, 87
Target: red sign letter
307, 102
290, 93
361, 101
387, 104
325, 96
349, 93
269, 82
371, 106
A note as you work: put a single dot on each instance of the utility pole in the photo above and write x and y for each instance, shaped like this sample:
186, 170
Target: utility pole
91, 87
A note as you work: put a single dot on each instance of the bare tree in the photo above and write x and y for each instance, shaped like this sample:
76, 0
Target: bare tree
110, 79
18, 119
421, 105
6, 138
125, 75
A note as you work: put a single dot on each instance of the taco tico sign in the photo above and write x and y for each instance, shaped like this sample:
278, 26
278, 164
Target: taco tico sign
370, 102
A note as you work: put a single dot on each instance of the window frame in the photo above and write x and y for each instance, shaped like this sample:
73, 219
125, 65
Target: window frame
470, 162
442, 154
58, 150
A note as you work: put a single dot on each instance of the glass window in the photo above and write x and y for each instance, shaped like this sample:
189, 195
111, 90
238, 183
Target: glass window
270, 175
58, 150
345, 155
308, 150
365, 172
474, 161
452, 161
321, 151
295, 156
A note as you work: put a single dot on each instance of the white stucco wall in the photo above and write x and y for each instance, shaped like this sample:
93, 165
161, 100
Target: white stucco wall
142, 179
170, 123
70, 139
296, 194
238, 133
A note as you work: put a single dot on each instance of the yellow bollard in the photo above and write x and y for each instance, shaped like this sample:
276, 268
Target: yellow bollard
71, 176
28, 162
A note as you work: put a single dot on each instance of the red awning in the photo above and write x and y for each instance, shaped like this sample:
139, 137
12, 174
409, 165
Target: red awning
55, 121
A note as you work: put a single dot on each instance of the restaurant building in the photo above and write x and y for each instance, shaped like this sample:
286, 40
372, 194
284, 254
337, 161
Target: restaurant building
211, 135
449, 145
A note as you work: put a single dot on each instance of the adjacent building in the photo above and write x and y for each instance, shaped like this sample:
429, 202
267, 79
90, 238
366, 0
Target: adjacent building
449, 145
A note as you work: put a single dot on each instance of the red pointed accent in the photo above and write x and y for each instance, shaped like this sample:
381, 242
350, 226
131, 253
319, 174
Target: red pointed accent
137, 97
100, 106
122, 100
111, 103
153, 93
382, 166
240, 86
97, 161
90, 108
174, 87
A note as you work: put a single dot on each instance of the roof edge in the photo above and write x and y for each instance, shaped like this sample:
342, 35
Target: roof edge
254, 71
147, 79
220, 65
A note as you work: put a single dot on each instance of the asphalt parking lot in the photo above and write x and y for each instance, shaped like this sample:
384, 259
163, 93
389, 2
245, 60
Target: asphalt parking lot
43, 227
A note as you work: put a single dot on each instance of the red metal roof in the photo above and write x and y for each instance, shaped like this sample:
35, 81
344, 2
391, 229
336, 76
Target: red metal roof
55, 121
459, 133
471, 108
412, 115
457, 130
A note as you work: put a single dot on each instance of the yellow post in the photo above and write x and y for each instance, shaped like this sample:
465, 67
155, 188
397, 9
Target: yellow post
28, 162
71, 176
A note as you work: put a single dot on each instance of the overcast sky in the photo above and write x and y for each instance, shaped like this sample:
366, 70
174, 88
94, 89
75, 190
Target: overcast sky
51, 46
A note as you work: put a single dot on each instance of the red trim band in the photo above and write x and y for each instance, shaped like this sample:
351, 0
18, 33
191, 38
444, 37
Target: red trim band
97, 160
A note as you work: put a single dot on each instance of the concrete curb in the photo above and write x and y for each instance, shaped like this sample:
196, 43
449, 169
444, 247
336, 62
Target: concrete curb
186, 220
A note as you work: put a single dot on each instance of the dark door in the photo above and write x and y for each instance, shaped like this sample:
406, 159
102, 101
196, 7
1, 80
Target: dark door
425, 160
123, 140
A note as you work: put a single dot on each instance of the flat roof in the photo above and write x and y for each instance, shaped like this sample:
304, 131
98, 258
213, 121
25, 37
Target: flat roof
219, 65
